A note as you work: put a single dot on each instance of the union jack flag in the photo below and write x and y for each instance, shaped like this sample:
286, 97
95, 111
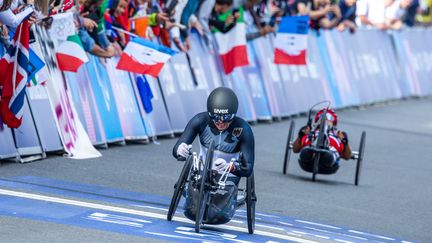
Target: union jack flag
13, 77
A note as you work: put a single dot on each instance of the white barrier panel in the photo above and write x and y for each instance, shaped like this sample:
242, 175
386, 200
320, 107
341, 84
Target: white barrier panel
272, 79
7, 144
415, 60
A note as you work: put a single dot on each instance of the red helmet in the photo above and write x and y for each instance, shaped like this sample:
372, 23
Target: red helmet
331, 116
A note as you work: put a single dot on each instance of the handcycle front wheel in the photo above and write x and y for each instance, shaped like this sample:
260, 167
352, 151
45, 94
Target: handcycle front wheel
179, 187
360, 157
288, 147
250, 203
203, 193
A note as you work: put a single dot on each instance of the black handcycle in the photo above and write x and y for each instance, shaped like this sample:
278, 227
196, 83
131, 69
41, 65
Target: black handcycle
320, 146
206, 184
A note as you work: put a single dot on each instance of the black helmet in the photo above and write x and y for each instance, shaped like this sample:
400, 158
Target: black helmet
222, 104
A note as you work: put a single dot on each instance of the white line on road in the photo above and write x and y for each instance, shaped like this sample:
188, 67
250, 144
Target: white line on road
368, 234
140, 213
313, 223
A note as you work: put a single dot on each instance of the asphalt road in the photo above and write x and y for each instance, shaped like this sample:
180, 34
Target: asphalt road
393, 199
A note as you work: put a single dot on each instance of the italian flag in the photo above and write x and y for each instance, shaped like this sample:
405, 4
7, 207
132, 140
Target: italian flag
71, 55
232, 45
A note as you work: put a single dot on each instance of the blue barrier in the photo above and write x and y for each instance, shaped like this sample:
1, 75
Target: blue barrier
272, 79
105, 100
346, 69
255, 84
157, 121
132, 124
415, 58
85, 104
173, 98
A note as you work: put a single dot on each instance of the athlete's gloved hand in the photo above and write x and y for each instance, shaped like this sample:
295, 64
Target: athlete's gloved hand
220, 165
304, 131
183, 150
343, 137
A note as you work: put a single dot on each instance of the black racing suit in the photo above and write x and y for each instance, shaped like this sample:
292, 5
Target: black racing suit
238, 137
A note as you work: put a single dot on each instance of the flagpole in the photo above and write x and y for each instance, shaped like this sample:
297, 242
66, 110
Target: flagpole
125, 31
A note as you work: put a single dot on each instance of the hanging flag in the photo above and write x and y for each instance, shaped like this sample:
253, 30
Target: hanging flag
62, 26
35, 64
232, 44
144, 57
71, 55
291, 40
13, 77
145, 93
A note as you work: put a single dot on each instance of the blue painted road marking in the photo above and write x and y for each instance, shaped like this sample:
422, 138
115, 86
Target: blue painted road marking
155, 226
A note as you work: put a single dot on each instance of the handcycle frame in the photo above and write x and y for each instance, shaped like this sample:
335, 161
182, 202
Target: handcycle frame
320, 148
206, 186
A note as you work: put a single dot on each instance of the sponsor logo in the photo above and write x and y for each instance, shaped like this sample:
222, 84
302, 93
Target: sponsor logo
237, 131
220, 111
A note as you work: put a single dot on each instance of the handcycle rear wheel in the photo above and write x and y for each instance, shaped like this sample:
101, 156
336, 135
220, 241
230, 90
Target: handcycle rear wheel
319, 145
179, 187
250, 203
203, 194
360, 157
288, 147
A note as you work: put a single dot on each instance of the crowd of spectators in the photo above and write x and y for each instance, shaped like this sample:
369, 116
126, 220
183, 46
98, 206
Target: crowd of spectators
105, 26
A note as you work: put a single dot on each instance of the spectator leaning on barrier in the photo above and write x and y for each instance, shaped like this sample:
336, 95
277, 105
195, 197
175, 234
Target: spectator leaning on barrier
300, 7
410, 13
221, 7
9, 18
371, 13
424, 16
86, 26
348, 15
324, 14
395, 11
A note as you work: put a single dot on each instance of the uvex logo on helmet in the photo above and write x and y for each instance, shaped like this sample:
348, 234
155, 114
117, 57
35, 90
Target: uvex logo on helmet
220, 111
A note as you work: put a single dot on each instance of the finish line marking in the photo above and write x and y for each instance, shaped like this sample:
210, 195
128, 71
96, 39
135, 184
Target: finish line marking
140, 213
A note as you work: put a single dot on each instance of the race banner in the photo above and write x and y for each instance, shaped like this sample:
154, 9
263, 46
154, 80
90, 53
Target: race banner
157, 121
131, 121
73, 136
414, 58
291, 40
173, 97
255, 83
271, 76
105, 100
85, 104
